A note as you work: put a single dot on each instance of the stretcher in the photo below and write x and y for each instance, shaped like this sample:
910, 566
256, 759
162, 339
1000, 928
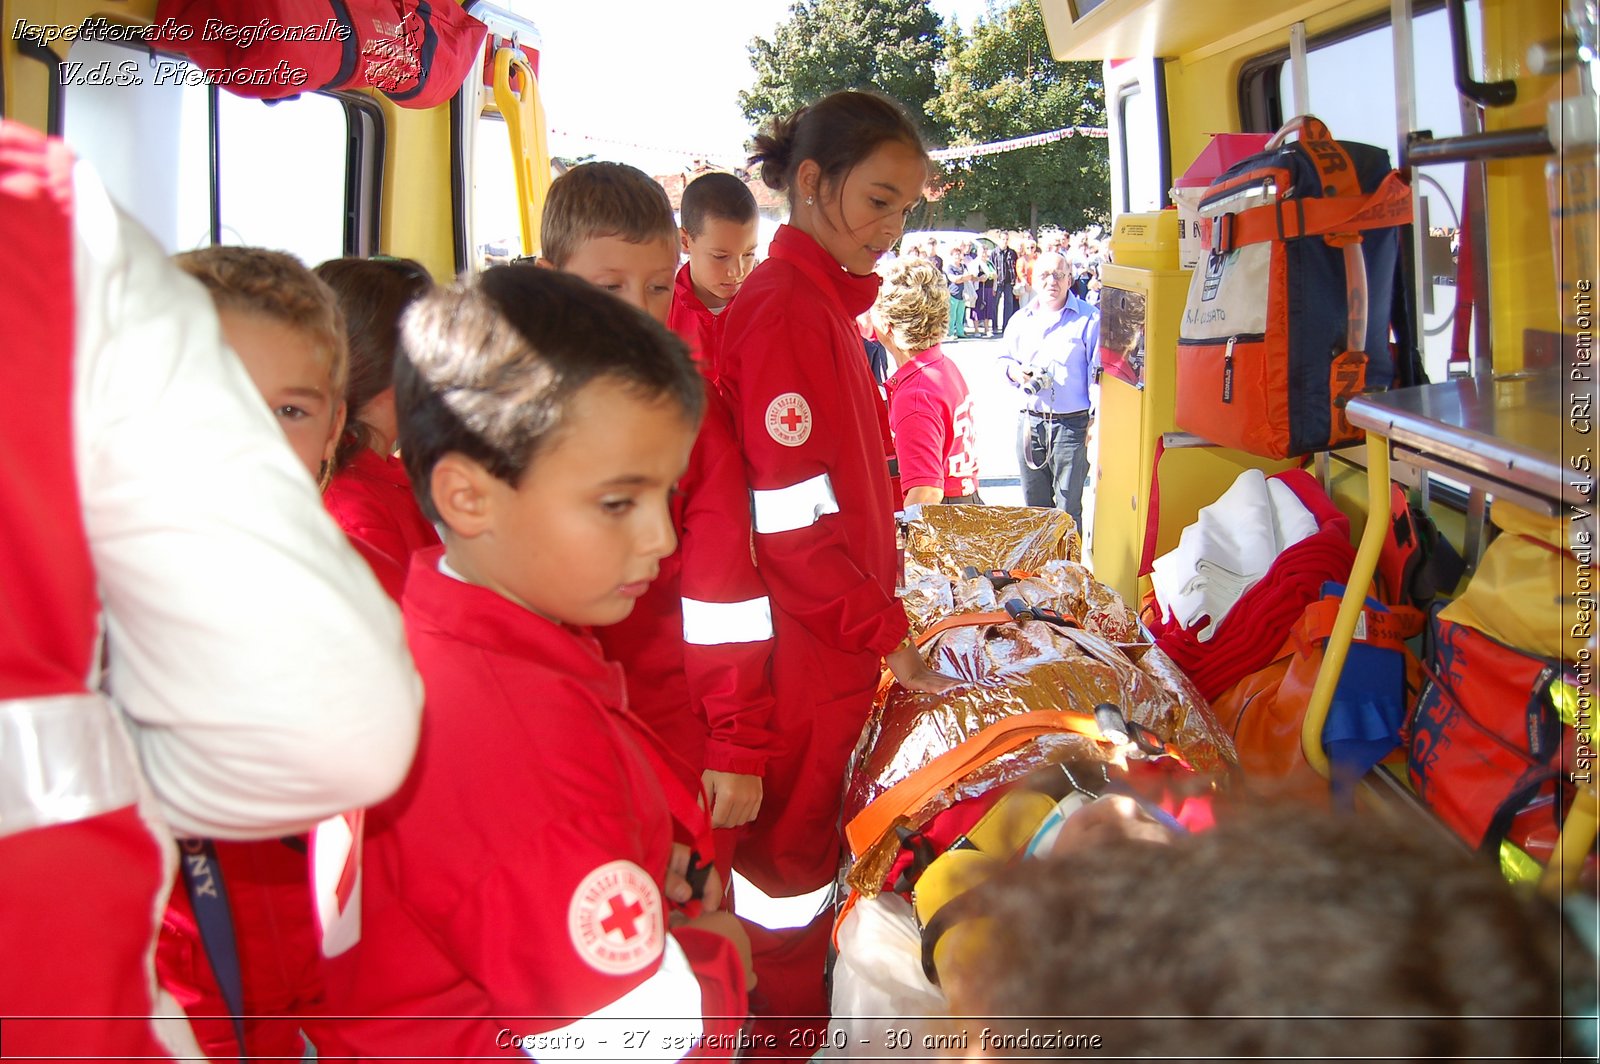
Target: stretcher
1065, 698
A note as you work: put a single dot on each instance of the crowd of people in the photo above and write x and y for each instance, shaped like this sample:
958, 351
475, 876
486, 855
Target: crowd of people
990, 279
632, 507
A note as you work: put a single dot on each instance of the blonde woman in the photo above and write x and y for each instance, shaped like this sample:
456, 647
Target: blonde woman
929, 408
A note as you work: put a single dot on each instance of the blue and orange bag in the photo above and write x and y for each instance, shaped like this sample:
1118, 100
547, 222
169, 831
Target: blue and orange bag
1492, 742
1277, 337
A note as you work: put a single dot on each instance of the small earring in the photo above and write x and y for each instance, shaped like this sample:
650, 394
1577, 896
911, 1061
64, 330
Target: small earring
809, 201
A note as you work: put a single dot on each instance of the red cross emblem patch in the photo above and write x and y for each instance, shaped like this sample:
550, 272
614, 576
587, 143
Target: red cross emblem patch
615, 919
789, 419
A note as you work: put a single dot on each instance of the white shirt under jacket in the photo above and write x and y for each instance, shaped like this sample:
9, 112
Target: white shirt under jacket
260, 668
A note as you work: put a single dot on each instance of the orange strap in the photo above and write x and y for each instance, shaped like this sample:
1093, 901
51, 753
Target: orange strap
962, 620
1389, 630
914, 792
1389, 205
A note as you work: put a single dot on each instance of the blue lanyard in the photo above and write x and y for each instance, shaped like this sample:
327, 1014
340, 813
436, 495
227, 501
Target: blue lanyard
202, 879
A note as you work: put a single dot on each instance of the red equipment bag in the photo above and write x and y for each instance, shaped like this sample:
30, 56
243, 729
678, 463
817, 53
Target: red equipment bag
1488, 740
1276, 335
416, 52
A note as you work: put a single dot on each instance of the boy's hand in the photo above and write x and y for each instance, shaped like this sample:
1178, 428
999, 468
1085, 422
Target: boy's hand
676, 885
913, 674
728, 926
735, 798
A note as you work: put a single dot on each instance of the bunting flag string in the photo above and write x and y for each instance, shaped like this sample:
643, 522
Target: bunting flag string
690, 153
960, 151
1032, 140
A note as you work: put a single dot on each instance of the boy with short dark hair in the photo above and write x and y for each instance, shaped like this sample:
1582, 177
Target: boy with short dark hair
718, 233
517, 887
698, 647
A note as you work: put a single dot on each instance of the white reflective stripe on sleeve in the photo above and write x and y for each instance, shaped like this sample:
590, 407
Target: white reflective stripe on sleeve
62, 758
797, 506
708, 624
670, 998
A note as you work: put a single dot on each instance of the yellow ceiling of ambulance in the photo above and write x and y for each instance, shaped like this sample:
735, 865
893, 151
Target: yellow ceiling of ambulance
1176, 29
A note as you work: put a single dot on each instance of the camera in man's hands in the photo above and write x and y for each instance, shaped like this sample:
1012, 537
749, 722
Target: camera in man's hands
1033, 382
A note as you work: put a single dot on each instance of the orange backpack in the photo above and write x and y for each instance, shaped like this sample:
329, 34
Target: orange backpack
1276, 335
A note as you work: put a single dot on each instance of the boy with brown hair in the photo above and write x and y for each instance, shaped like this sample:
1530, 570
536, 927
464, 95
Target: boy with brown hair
698, 647
517, 887
1283, 933
718, 234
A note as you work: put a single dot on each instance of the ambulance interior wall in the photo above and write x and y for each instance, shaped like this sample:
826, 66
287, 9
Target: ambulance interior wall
1202, 97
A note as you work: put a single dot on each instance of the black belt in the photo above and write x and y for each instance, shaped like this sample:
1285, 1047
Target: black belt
1043, 415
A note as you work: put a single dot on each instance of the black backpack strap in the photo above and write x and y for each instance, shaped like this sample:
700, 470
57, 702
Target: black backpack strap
1409, 369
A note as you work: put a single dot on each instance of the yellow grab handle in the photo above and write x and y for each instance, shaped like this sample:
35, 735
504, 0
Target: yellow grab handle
530, 143
1355, 596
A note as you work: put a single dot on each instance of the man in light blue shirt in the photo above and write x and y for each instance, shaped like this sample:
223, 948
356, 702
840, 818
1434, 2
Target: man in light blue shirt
1051, 351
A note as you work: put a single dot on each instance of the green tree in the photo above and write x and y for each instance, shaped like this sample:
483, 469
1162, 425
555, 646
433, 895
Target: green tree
893, 46
1003, 83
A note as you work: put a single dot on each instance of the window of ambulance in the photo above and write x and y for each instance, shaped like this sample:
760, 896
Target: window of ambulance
1139, 142
496, 222
1365, 110
281, 167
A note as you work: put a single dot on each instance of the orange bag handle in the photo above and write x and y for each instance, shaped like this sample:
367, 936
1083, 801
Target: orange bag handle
913, 792
1333, 163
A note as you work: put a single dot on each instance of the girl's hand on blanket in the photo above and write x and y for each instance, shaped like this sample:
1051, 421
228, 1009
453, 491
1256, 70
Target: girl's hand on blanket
912, 673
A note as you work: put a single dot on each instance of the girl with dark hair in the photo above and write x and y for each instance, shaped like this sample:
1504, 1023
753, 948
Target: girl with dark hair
813, 432
370, 496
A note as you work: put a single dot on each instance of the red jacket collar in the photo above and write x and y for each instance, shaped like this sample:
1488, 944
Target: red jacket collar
851, 293
370, 463
685, 296
920, 362
475, 615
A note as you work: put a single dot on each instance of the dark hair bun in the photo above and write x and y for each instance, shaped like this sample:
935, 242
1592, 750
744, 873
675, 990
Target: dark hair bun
774, 150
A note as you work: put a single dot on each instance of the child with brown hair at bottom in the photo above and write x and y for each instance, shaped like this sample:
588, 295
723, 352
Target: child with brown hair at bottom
1281, 934
697, 648
520, 889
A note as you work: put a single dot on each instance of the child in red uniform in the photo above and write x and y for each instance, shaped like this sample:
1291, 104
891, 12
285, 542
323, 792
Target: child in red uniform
697, 648
718, 233
369, 495
516, 888
285, 326
930, 411
812, 430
